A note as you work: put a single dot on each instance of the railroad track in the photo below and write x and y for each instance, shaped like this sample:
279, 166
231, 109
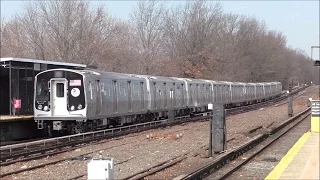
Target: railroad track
41, 148
103, 135
271, 136
277, 101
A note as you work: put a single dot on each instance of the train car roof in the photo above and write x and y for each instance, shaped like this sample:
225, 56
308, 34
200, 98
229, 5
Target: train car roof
41, 62
110, 74
163, 78
197, 80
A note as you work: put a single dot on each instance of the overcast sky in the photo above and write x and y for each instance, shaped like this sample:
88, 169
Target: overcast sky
298, 20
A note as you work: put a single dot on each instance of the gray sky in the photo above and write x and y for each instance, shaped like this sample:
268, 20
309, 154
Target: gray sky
298, 20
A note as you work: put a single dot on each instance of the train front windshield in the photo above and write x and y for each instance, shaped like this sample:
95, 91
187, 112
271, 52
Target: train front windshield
42, 91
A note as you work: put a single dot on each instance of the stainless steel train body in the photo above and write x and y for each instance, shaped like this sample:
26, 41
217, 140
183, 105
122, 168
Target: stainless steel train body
82, 100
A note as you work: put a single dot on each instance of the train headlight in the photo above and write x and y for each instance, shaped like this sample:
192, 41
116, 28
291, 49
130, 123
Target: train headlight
45, 108
72, 108
79, 106
40, 107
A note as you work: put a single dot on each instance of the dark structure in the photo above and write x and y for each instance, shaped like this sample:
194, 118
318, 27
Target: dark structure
17, 81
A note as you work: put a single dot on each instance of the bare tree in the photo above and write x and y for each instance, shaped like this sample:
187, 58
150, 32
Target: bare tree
66, 30
195, 40
34, 32
147, 18
190, 35
12, 40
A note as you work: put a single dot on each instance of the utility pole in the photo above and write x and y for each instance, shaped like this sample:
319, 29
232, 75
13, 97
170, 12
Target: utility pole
210, 107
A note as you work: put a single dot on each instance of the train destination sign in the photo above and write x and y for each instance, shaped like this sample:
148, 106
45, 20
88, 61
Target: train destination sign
315, 108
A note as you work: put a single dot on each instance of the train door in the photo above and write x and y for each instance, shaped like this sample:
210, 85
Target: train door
210, 94
178, 95
216, 93
255, 91
245, 95
107, 99
59, 96
142, 95
225, 93
155, 97
161, 95
129, 97
174, 96
183, 95
206, 94
115, 96
171, 105
98, 98
230, 88
190, 91
165, 95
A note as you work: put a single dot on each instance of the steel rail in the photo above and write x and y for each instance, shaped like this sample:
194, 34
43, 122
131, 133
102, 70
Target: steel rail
219, 161
42, 146
251, 156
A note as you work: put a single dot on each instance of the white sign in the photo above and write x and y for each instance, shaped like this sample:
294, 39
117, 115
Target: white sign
75, 83
315, 108
75, 92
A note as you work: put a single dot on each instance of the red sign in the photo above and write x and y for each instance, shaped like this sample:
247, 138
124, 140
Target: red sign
17, 103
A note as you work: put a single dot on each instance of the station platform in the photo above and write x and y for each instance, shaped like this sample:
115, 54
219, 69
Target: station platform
8, 118
301, 161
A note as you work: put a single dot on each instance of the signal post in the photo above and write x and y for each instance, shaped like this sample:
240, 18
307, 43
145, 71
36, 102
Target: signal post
218, 130
290, 109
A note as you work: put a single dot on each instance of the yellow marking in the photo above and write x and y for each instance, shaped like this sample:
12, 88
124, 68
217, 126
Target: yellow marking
315, 124
8, 118
285, 161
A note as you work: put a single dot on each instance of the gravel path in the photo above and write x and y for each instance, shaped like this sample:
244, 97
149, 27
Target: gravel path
135, 152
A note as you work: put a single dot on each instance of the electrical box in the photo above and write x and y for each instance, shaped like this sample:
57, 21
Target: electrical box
101, 169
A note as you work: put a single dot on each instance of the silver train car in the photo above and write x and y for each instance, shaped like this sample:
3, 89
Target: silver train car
76, 101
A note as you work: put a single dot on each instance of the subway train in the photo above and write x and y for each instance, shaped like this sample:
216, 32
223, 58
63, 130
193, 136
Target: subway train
75, 101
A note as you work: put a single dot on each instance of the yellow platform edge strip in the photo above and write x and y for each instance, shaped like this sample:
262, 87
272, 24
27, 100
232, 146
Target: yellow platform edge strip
315, 124
285, 161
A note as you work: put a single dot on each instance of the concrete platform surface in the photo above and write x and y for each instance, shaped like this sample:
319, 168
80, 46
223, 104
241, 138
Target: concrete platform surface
301, 161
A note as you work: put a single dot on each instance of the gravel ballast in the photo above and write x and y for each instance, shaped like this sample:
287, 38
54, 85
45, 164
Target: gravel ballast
135, 152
